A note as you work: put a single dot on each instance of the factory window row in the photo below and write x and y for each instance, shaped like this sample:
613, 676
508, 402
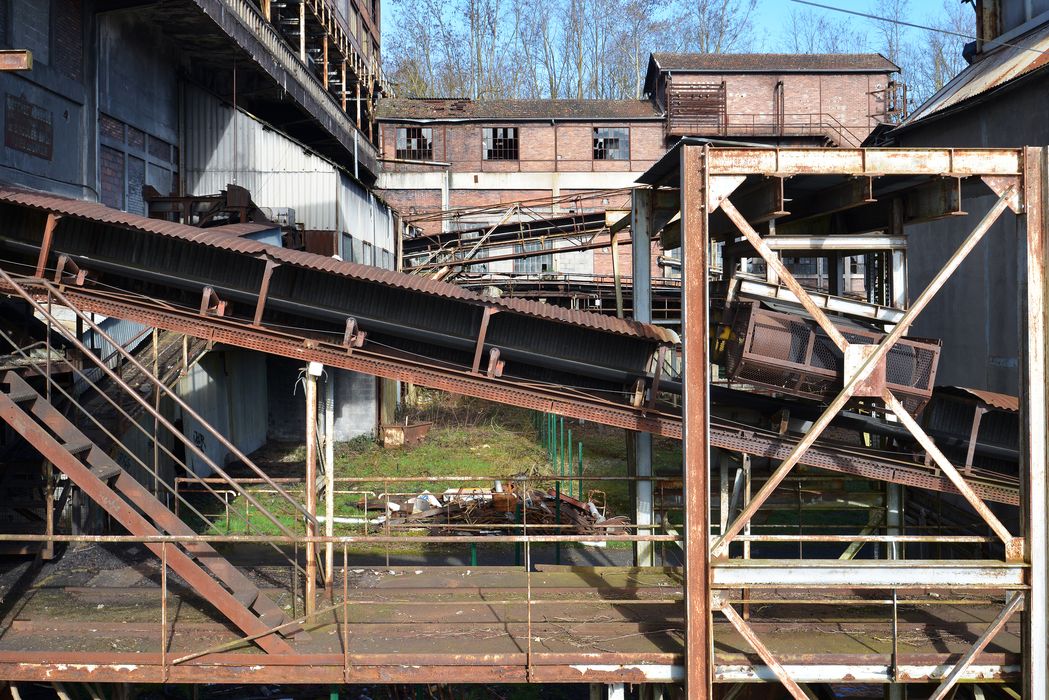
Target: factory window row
503, 143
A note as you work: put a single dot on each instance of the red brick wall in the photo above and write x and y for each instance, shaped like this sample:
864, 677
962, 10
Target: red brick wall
843, 98
112, 171
68, 38
543, 148
603, 260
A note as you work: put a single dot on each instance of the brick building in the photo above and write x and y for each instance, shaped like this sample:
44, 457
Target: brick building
787, 99
453, 164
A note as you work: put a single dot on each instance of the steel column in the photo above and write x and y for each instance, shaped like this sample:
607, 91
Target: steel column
641, 275
1033, 388
695, 309
311, 488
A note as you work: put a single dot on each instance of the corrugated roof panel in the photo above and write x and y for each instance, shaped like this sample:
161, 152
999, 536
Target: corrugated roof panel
214, 238
1022, 56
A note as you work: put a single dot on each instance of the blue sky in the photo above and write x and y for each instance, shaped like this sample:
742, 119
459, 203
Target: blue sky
771, 15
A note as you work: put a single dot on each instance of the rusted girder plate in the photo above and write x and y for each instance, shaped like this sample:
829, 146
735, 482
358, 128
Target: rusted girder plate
526, 395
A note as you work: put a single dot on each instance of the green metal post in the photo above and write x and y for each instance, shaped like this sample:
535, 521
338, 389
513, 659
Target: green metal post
473, 554
557, 515
580, 471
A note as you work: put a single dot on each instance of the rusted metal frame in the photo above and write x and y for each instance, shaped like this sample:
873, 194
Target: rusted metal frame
139, 496
538, 398
65, 263
153, 472
1013, 547
977, 648
209, 302
45, 245
720, 547
485, 318
695, 209
755, 642
264, 289
935, 162
72, 338
1033, 305
324, 50
134, 457
128, 517
188, 410
231, 332
77, 342
786, 278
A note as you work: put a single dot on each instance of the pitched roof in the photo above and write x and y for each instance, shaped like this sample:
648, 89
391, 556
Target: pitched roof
997, 69
775, 62
463, 109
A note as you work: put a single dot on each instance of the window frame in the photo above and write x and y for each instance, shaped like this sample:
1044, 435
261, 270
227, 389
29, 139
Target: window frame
504, 153
409, 153
596, 137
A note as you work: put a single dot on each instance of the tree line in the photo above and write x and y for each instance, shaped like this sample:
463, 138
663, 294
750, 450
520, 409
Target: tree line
598, 49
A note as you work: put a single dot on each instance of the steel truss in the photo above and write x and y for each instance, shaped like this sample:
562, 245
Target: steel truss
708, 179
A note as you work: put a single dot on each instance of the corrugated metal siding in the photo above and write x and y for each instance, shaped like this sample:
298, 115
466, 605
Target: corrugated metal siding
247, 398
228, 389
278, 172
123, 333
204, 389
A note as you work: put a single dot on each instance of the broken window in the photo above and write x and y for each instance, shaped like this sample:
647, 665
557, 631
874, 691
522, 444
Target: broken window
500, 143
612, 143
414, 143
536, 264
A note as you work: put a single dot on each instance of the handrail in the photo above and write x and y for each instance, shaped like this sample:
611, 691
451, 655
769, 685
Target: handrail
773, 124
186, 409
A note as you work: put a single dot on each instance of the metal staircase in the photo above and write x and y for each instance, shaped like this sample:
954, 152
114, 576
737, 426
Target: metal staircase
141, 514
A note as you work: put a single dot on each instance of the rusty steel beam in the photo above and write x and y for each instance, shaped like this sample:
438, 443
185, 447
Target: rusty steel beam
695, 310
935, 162
1013, 549
862, 373
755, 642
1033, 303
505, 390
977, 648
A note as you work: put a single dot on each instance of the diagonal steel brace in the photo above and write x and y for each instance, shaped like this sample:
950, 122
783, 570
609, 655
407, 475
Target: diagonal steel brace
720, 546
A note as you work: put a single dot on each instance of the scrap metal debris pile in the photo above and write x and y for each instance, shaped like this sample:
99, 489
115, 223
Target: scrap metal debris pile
502, 509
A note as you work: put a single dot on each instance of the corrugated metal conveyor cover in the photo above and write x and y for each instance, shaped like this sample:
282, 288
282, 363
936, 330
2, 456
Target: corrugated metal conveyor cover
175, 262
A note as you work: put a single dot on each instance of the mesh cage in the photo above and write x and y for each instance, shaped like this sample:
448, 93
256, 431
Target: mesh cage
791, 354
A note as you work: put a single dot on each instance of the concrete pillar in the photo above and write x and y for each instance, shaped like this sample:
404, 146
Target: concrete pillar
641, 274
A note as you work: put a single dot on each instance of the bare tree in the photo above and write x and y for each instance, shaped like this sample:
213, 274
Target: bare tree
811, 32
715, 26
939, 55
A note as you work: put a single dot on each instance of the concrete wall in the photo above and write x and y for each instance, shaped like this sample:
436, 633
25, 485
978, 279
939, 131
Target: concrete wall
356, 406
977, 312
